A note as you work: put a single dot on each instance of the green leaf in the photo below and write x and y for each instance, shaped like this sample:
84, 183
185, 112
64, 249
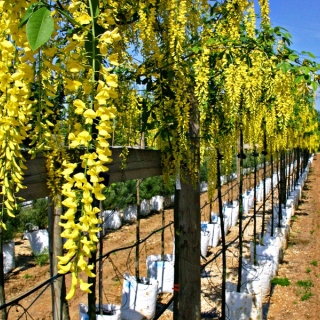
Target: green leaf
196, 49
95, 8
29, 12
298, 79
285, 67
309, 54
39, 28
293, 57
314, 85
211, 41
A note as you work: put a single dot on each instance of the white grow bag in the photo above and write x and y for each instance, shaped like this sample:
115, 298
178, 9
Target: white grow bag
234, 212
112, 312
161, 271
138, 300
39, 240
250, 198
267, 252
227, 215
130, 213
145, 207
256, 279
268, 185
259, 192
203, 186
157, 203
204, 241
214, 229
111, 219
8, 256
245, 203
243, 306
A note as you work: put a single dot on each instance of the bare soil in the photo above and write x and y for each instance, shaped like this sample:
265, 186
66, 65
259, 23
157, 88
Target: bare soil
294, 302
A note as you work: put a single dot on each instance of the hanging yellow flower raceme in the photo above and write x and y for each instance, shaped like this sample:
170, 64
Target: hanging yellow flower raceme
16, 76
91, 102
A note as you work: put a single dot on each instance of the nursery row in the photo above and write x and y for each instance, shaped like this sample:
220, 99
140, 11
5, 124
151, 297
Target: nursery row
139, 295
264, 254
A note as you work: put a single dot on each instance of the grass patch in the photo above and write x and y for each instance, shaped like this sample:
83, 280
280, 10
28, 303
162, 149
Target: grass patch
305, 289
308, 270
284, 282
305, 284
312, 231
27, 276
41, 258
314, 263
306, 296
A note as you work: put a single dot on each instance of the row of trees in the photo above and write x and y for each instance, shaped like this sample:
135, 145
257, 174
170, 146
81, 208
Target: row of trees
186, 77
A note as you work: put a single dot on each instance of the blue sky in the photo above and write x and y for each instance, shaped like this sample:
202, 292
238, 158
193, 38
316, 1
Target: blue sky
302, 19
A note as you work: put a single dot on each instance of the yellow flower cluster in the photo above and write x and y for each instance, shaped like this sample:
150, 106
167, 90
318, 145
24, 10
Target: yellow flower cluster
16, 74
264, 8
91, 102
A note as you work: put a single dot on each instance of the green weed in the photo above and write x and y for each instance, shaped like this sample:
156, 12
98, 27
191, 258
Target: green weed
305, 284
306, 296
27, 276
314, 263
41, 258
305, 289
308, 270
284, 282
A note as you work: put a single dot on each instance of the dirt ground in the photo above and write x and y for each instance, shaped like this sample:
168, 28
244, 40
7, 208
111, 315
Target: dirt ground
301, 265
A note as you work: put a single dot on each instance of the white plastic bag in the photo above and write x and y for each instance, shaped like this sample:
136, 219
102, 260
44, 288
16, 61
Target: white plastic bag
138, 299
8, 256
145, 207
111, 219
130, 213
39, 240
161, 271
243, 306
205, 237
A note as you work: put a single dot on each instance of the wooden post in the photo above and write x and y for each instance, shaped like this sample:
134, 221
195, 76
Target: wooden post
298, 164
189, 252
138, 229
272, 196
223, 240
3, 314
241, 157
176, 254
58, 289
255, 155
264, 152
188, 227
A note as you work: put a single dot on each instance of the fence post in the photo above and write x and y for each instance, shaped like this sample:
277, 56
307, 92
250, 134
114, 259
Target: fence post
3, 314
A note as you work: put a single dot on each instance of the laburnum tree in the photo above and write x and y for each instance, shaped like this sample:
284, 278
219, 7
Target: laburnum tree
188, 77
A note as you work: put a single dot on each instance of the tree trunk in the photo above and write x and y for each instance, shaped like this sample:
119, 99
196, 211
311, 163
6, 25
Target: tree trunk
58, 289
223, 241
189, 252
241, 157
188, 228
3, 313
